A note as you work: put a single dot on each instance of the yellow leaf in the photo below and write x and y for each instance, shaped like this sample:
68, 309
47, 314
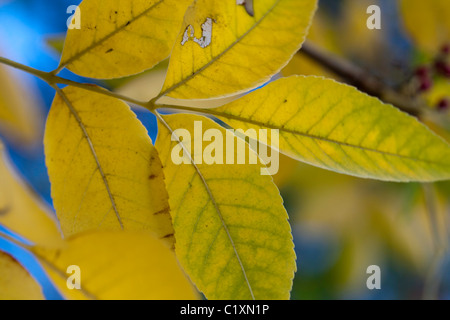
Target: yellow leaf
15, 282
336, 127
428, 22
441, 129
223, 50
105, 172
19, 117
116, 266
21, 211
119, 38
232, 233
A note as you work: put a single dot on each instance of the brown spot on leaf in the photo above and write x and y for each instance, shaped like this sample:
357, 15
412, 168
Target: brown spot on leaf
163, 211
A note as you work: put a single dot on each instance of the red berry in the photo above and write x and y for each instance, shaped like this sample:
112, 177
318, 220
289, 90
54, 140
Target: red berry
425, 84
442, 67
422, 71
445, 49
443, 105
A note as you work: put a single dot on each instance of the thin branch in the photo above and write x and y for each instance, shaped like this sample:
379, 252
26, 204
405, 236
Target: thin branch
35, 72
52, 79
361, 79
101, 90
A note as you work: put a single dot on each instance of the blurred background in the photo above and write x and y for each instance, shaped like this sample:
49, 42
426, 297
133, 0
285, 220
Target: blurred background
341, 225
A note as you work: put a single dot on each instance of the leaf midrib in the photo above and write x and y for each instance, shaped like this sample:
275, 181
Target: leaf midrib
93, 152
310, 136
213, 200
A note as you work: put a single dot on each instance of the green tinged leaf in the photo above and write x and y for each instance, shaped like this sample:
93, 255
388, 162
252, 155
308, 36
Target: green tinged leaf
336, 127
231, 229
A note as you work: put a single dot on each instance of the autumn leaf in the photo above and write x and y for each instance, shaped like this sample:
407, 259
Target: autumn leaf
336, 127
120, 38
117, 265
233, 237
21, 211
222, 50
105, 172
15, 282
